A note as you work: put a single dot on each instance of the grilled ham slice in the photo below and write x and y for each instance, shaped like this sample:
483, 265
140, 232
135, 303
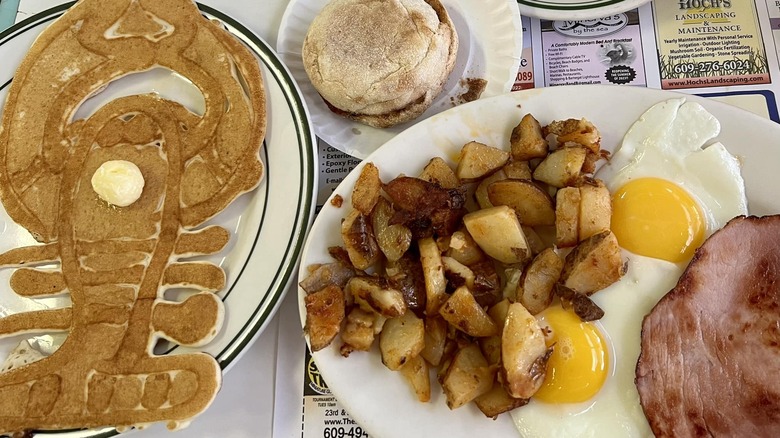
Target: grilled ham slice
710, 357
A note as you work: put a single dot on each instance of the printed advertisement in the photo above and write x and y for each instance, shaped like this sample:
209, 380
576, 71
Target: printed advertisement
525, 74
334, 166
774, 19
709, 43
325, 417
602, 51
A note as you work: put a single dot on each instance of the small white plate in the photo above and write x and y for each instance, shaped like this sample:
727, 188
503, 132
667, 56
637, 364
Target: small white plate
380, 400
577, 10
268, 225
490, 47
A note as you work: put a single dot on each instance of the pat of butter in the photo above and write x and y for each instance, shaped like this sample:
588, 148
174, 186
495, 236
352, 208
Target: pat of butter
118, 182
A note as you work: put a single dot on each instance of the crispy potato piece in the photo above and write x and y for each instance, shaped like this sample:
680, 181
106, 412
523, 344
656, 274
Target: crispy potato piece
324, 314
374, 294
497, 231
457, 273
359, 240
536, 288
481, 192
523, 353
468, 376
594, 264
464, 249
513, 276
394, 240
531, 203
435, 339
518, 170
406, 275
487, 285
414, 194
325, 275
591, 159
491, 349
433, 272
579, 131
478, 160
463, 312
358, 333
582, 306
595, 208
535, 241
424, 207
563, 167
366, 190
567, 217
439, 172
415, 371
401, 339
491, 346
499, 311
527, 140
497, 401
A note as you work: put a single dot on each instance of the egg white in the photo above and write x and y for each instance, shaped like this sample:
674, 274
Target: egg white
668, 141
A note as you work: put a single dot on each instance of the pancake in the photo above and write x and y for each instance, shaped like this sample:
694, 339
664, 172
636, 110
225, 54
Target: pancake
117, 262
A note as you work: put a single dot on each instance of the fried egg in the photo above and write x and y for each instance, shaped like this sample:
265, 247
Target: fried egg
669, 194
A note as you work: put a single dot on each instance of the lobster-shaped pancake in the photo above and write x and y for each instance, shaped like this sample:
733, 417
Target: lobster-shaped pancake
117, 262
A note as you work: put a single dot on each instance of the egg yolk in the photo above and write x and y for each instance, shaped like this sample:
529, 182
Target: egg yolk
656, 218
577, 366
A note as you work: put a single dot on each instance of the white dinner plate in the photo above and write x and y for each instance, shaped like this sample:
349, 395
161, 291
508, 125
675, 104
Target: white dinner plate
379, 399
490, 47
578, 10
268, 225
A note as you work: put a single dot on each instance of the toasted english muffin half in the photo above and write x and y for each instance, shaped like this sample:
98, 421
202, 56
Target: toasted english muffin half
380, 62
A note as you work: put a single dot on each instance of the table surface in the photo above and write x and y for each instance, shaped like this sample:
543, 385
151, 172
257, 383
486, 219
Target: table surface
244, 406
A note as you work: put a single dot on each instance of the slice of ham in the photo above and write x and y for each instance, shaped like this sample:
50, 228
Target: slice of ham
710, 358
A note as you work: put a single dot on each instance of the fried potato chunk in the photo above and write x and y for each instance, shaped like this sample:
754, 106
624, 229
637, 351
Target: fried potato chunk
366, 190
463, 312
594, 264
435, 339
358, 333
497, 401
468, 376
579, 131
439, 172
532, 204
595, 209
415, 371
523, 352
433, 272
478, 160
561, 168
498, 232
535, 291
374, 294
527, 140
324, 314
567, 217
401, 339
359, 240
394, 240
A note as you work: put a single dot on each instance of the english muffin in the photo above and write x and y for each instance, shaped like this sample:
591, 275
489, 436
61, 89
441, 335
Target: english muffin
380, 62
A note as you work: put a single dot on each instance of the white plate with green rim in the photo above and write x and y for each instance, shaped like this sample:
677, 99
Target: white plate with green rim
575, 10
268, 225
